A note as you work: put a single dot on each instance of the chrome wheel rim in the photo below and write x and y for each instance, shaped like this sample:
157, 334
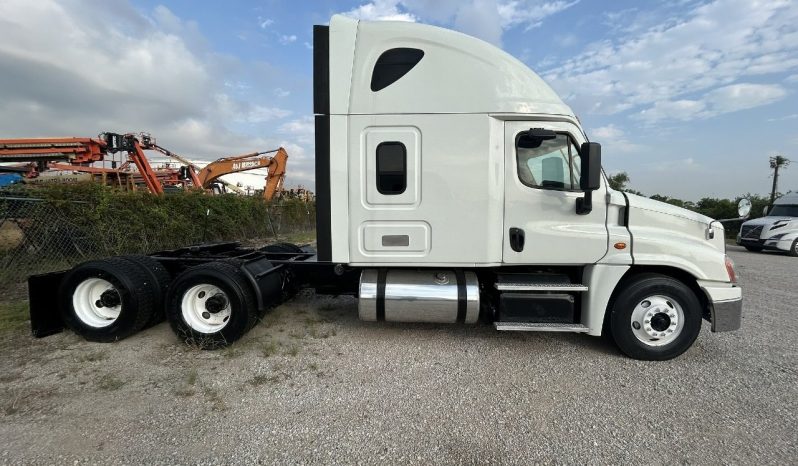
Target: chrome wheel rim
96, 302
206, 308
657, 320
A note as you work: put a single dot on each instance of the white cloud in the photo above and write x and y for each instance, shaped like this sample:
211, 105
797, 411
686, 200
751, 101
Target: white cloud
530, 14
662, 68
264, 22
613, 139
280, 92
302, 129
380, 10
722, 100
486, 19
287, 39
791, 116
138, 72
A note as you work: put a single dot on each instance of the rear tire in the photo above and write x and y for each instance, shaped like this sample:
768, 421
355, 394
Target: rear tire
211, 305
753, 248
160, 280
106, 300
655, 318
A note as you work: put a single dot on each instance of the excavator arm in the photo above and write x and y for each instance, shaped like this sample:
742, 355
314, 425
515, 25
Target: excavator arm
275, 164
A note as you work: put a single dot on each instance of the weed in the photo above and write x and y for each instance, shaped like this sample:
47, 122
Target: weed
292, 350
93, 356
212, 395
13, 315
269, 349
263, 379
191, 379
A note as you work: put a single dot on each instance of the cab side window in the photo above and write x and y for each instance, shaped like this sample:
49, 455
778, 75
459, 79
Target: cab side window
547, 163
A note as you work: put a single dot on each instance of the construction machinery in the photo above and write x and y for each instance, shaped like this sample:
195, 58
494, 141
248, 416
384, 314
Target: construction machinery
253, 161
78, 155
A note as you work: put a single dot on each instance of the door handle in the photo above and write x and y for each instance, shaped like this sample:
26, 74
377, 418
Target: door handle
517, 239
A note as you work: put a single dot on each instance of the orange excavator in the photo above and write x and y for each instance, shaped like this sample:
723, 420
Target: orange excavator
240, 163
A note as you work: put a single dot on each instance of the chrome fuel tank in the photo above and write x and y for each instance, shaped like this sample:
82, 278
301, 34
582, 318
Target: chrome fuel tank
403, 295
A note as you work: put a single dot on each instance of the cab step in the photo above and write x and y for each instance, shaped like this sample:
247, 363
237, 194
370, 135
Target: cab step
540, 327
540, 287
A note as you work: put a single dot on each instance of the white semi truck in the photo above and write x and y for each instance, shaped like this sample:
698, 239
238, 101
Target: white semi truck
776, 231
453, 186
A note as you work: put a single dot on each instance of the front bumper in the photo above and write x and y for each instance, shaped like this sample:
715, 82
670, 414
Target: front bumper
725, 305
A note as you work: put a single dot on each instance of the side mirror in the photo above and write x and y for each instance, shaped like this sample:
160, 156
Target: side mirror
590, 176
744, 208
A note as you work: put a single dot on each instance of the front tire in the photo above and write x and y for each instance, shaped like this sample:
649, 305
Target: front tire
211, 305
794, 249
655, 318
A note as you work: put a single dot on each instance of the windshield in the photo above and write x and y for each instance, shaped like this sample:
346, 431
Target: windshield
783, 210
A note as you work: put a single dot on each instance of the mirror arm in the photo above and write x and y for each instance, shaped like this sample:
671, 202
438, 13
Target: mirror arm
584, 205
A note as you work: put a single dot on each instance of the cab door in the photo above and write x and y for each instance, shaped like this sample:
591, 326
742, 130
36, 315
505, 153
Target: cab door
541, 223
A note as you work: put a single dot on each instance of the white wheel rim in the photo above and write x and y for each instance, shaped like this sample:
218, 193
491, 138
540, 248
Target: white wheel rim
195, 310
657, 320
86, 301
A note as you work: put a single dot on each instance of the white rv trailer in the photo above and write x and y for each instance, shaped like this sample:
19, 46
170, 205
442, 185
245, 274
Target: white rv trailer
453, 185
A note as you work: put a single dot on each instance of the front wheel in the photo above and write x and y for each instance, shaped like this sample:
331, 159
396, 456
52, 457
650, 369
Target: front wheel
655, 318
794, 249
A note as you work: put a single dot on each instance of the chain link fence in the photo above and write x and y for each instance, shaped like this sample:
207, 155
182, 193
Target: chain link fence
43, 235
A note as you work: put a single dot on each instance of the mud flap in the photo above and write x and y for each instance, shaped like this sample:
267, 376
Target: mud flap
45, 317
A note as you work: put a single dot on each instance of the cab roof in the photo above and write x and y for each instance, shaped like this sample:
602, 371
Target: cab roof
455, 73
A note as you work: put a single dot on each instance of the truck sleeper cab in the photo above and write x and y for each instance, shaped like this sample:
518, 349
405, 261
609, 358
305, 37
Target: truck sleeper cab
453, 185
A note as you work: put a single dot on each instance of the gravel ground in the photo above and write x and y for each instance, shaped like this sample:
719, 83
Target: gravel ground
312, 384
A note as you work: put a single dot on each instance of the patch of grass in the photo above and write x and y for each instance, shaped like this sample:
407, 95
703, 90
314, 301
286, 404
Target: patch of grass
110, 382
313, 366
212, 395
268, 349
93, 356
13, 315
186, 389
232, 352
263, 379
292, 350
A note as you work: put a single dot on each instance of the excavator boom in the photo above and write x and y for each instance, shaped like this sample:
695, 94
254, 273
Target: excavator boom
225, 166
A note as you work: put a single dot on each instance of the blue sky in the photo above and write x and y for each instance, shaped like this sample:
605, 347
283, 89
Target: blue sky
689, 97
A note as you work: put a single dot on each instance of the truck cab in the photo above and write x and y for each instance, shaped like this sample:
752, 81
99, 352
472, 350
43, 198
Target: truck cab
440, 158
776, 231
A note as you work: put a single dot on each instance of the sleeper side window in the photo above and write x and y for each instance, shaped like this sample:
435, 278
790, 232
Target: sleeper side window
391, 168
392, 65
547, 163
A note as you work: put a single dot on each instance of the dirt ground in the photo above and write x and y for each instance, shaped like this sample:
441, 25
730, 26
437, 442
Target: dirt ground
312, 384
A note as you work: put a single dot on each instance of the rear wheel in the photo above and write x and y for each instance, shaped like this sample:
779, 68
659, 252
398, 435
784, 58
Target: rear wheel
159, 279
655, 318
211, 305
106, 300
753, 248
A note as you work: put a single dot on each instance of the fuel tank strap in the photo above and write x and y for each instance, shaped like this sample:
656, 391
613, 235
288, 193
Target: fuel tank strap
461, 296
382, 275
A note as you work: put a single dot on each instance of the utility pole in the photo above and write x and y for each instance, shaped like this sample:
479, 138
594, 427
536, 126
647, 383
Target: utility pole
776, 162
